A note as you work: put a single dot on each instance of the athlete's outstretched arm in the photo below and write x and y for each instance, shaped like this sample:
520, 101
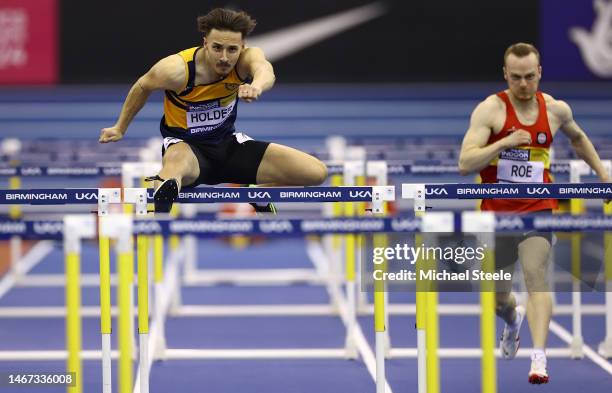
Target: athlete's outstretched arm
253, 63
168, 74
581, 143
475, 153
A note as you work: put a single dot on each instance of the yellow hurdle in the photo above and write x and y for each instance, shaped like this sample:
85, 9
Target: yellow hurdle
432, 335
337, 209
424, 361
576, 208
105, 287
125, 272
76, 227
158, 258
105, 310
608, 247
143, 310
14, 210
73, 319
380, 240
487, 327
349, 245
143, 284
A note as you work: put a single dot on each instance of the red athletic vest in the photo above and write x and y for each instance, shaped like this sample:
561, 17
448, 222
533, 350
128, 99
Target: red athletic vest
523, 164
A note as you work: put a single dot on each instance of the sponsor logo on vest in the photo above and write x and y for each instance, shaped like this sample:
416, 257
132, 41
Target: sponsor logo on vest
542, 138
538, 191
514, 154
277, 226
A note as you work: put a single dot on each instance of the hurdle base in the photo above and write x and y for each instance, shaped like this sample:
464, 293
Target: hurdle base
576, 348
605, 348
387, 345
350, 348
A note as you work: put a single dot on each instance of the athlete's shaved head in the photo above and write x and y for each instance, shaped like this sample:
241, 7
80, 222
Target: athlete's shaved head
223, 19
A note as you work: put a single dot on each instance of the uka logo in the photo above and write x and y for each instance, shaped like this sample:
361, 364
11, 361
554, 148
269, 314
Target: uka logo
43, 228
538, 191
435, 191
401, 225
259, 195
596, 45
86, 196
280, 226
360, 194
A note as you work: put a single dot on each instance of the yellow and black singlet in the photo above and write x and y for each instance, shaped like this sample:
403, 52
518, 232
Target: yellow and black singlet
201, 113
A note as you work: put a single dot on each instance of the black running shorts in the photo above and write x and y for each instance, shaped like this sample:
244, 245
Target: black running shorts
235, 159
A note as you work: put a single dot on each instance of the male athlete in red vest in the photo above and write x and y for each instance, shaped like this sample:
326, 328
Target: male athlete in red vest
509, 142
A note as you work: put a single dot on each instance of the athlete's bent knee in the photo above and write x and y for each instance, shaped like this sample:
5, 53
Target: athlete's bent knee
316, 174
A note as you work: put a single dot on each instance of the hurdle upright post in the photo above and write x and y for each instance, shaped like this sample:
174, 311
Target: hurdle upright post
76, 227
336, 146
483, 225
119, 227
432, 224
379, 171
15, 242
106, 196
605, 347
138, 197
577, 169
352, 169
416, 192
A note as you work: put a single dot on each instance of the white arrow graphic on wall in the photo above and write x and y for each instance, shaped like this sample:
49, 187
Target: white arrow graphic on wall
596, 45
286, 41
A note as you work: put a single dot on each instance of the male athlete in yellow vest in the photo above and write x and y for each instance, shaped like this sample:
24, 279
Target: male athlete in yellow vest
202, 87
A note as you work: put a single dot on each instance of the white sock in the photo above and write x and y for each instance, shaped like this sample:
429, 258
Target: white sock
538, 353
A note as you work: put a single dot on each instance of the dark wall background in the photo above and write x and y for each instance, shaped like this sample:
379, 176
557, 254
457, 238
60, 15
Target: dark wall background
444, 40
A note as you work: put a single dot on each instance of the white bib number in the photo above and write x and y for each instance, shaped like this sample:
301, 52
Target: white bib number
520, 171
208, 118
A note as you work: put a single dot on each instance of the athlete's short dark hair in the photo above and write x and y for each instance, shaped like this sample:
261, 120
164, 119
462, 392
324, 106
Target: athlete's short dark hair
226, 20
521, 49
